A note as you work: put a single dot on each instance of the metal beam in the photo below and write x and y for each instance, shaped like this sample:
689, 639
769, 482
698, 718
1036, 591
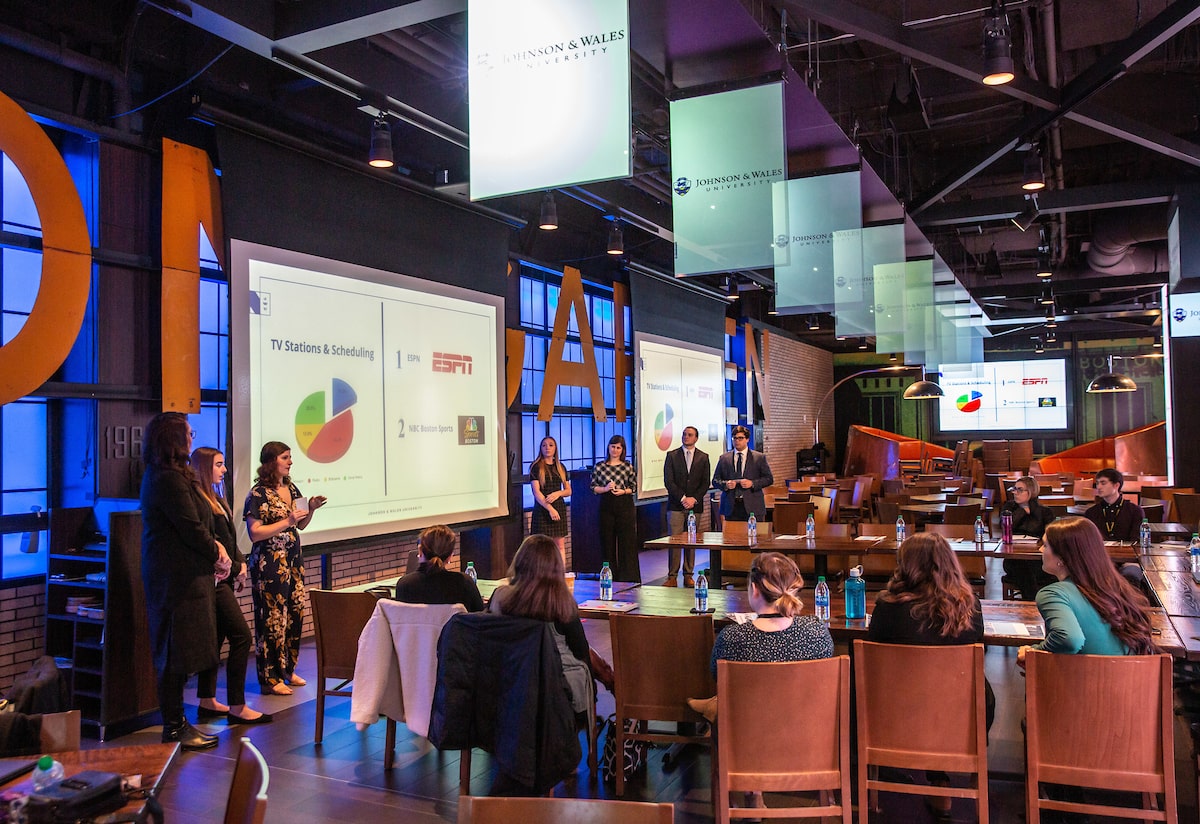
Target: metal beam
367, 25
1063, 201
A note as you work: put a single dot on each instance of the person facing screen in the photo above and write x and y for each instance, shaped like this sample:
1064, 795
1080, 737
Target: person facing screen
432, 582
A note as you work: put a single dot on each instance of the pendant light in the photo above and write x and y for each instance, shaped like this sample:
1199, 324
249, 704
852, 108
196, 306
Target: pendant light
1111, 381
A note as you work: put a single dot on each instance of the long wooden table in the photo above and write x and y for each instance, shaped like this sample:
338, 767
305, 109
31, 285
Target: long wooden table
149, 762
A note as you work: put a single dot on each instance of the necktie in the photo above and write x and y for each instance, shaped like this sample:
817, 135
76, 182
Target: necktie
687, 459
739, 464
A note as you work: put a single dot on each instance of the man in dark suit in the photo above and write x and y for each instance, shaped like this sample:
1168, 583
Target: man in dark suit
686, 474
741, 475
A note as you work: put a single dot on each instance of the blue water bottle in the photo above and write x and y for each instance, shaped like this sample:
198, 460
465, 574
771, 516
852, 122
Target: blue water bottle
856, 594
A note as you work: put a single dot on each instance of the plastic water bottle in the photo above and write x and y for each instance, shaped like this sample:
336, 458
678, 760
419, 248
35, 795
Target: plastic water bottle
822, 599
980, 530
471, 573
1144, 534
691, 523
901, 530
752, 527
1194, 551
46, 772
810, 528
606, 582
702, 591
856, 594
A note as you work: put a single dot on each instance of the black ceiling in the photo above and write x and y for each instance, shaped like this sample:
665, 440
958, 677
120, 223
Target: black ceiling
1107, 91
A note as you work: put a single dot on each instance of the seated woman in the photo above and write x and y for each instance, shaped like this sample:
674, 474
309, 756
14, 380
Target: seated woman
928, 602
537, 588
433, 583
1030, 518
1090, 609
779, 632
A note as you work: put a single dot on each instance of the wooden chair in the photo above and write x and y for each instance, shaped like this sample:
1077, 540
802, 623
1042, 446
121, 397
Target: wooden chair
799, 497
338, 620
247, 802
887, 511
877, 566
1102, 722
834, 495
476, 810
921, 708
1187, 509
853, 509
790, 516
60, 731
892, 486
962, 513
659, 663
813, 706
973, 566
822, 507
1154, 511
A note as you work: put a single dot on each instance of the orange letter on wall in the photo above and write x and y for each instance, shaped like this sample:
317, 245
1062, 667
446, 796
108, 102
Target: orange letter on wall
514, 354
559, 372
31, 358
190, 197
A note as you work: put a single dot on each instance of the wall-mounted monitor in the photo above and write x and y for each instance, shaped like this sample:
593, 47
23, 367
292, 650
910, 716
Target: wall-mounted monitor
387, 388
1004, 398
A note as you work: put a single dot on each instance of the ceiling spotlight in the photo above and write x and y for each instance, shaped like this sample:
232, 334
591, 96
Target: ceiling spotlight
731, 288
1038, 348
862, 343
991, 265
814, 323
1157, 343
1044, 269
1028, 215
997, 46
771, 310
1047, 296
893, 357
549, 218
1051, 320
381, 145
616, 240
1051, 337
1033, 178
1111, 381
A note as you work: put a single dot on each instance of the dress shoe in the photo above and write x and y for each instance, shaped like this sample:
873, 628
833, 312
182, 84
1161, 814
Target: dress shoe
187, 736
205, 714
671, 581
689, 581
263, 718
297, 681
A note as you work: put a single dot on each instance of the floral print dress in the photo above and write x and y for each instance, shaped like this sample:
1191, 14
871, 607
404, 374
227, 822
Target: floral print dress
277, 581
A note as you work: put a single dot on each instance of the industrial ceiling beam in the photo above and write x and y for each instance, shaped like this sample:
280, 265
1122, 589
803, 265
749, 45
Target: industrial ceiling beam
1061, 201
362, 26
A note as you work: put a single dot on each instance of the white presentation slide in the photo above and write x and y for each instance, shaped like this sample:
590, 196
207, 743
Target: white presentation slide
679, 384
387, 388
1003, 396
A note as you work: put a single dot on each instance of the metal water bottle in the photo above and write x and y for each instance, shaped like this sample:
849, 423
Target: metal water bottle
1006, 526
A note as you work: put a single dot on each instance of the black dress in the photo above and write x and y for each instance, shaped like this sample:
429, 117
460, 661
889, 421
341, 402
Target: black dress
542, 523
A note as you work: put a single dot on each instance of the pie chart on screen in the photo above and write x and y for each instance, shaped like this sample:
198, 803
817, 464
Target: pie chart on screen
664, 427
970, 402
325, 438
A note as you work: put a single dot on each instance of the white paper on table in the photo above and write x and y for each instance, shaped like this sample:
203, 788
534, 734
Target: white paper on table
1007, 628
608, 606
787, 537
872, 538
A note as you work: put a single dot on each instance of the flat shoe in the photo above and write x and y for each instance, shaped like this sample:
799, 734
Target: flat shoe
277, 689
264, 718
297, 681
205, 714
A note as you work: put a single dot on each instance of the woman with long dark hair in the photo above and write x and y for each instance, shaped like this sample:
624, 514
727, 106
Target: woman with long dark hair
1090, 609
615, 481
274, 520
209, 466
179, 560
433, 582
551, 487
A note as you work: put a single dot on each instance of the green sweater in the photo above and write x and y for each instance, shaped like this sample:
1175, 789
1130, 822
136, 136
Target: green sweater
1072, 624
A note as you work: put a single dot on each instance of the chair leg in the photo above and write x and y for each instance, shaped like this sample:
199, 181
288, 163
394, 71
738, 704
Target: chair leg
464, 772
619, 731
593, 759
320, 731
389, 753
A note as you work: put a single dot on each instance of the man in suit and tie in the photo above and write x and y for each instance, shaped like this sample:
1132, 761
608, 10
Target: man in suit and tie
686, 475
741, 475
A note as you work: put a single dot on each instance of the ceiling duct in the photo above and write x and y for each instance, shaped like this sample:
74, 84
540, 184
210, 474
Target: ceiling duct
1130, 242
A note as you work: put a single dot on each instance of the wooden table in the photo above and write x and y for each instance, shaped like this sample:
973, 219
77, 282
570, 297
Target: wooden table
150, 761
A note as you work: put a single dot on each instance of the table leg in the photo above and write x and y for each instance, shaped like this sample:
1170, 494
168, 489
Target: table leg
714, 567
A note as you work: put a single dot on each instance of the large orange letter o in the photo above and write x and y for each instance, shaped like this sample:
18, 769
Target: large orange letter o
31, 358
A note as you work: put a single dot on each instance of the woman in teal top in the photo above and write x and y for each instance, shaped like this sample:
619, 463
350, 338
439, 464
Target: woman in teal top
1091, 609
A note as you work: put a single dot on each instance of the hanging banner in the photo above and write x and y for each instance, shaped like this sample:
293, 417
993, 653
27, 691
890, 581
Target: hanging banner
726, 152
549, 94
816, 218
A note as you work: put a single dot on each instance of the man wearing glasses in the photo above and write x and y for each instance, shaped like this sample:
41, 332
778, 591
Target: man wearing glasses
741, 475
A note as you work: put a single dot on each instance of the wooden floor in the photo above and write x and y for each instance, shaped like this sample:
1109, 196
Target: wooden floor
343, 779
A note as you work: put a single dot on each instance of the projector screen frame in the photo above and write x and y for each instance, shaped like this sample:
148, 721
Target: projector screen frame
1067, 432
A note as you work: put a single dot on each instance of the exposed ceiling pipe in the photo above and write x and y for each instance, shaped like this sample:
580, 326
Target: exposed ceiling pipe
1118, 237
1058, 250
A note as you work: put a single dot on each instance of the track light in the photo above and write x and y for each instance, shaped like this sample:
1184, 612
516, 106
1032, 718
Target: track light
862, 343
771, 310
1038, 348
1047, 296
997, 47
1051, 319
731, 288
1033, 177
616, 240
549, 217
1051, 337
893, 357
1157, 343
1044, 269
1028, 215
814, 323
381, 145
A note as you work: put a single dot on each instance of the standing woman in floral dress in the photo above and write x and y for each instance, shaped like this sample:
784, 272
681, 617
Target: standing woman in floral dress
277, 568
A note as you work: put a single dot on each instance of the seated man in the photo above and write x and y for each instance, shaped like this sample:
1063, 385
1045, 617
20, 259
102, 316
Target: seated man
1117, 518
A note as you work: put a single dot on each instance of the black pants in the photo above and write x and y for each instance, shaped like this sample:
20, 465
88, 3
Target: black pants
1028, 576
232, 625
618, 536
170, 698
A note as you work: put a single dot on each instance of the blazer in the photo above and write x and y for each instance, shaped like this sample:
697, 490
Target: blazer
759, 473
681, 483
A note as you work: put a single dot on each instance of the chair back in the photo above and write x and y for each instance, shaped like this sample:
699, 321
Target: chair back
338, 621
1187, 509
921, 707
790, 517
835, 531
892, 486
1124, 704
247, 802
888, 511
1084, 490
476, 810
966, 531
814, 708
795, 496
962, 513
61, 731
822, 506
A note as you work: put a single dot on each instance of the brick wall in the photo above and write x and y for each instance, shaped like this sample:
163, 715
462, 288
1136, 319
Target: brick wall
22, 623
798, 375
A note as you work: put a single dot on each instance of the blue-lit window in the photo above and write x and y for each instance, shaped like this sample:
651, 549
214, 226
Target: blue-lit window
24, 479
582, 441
212, 424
